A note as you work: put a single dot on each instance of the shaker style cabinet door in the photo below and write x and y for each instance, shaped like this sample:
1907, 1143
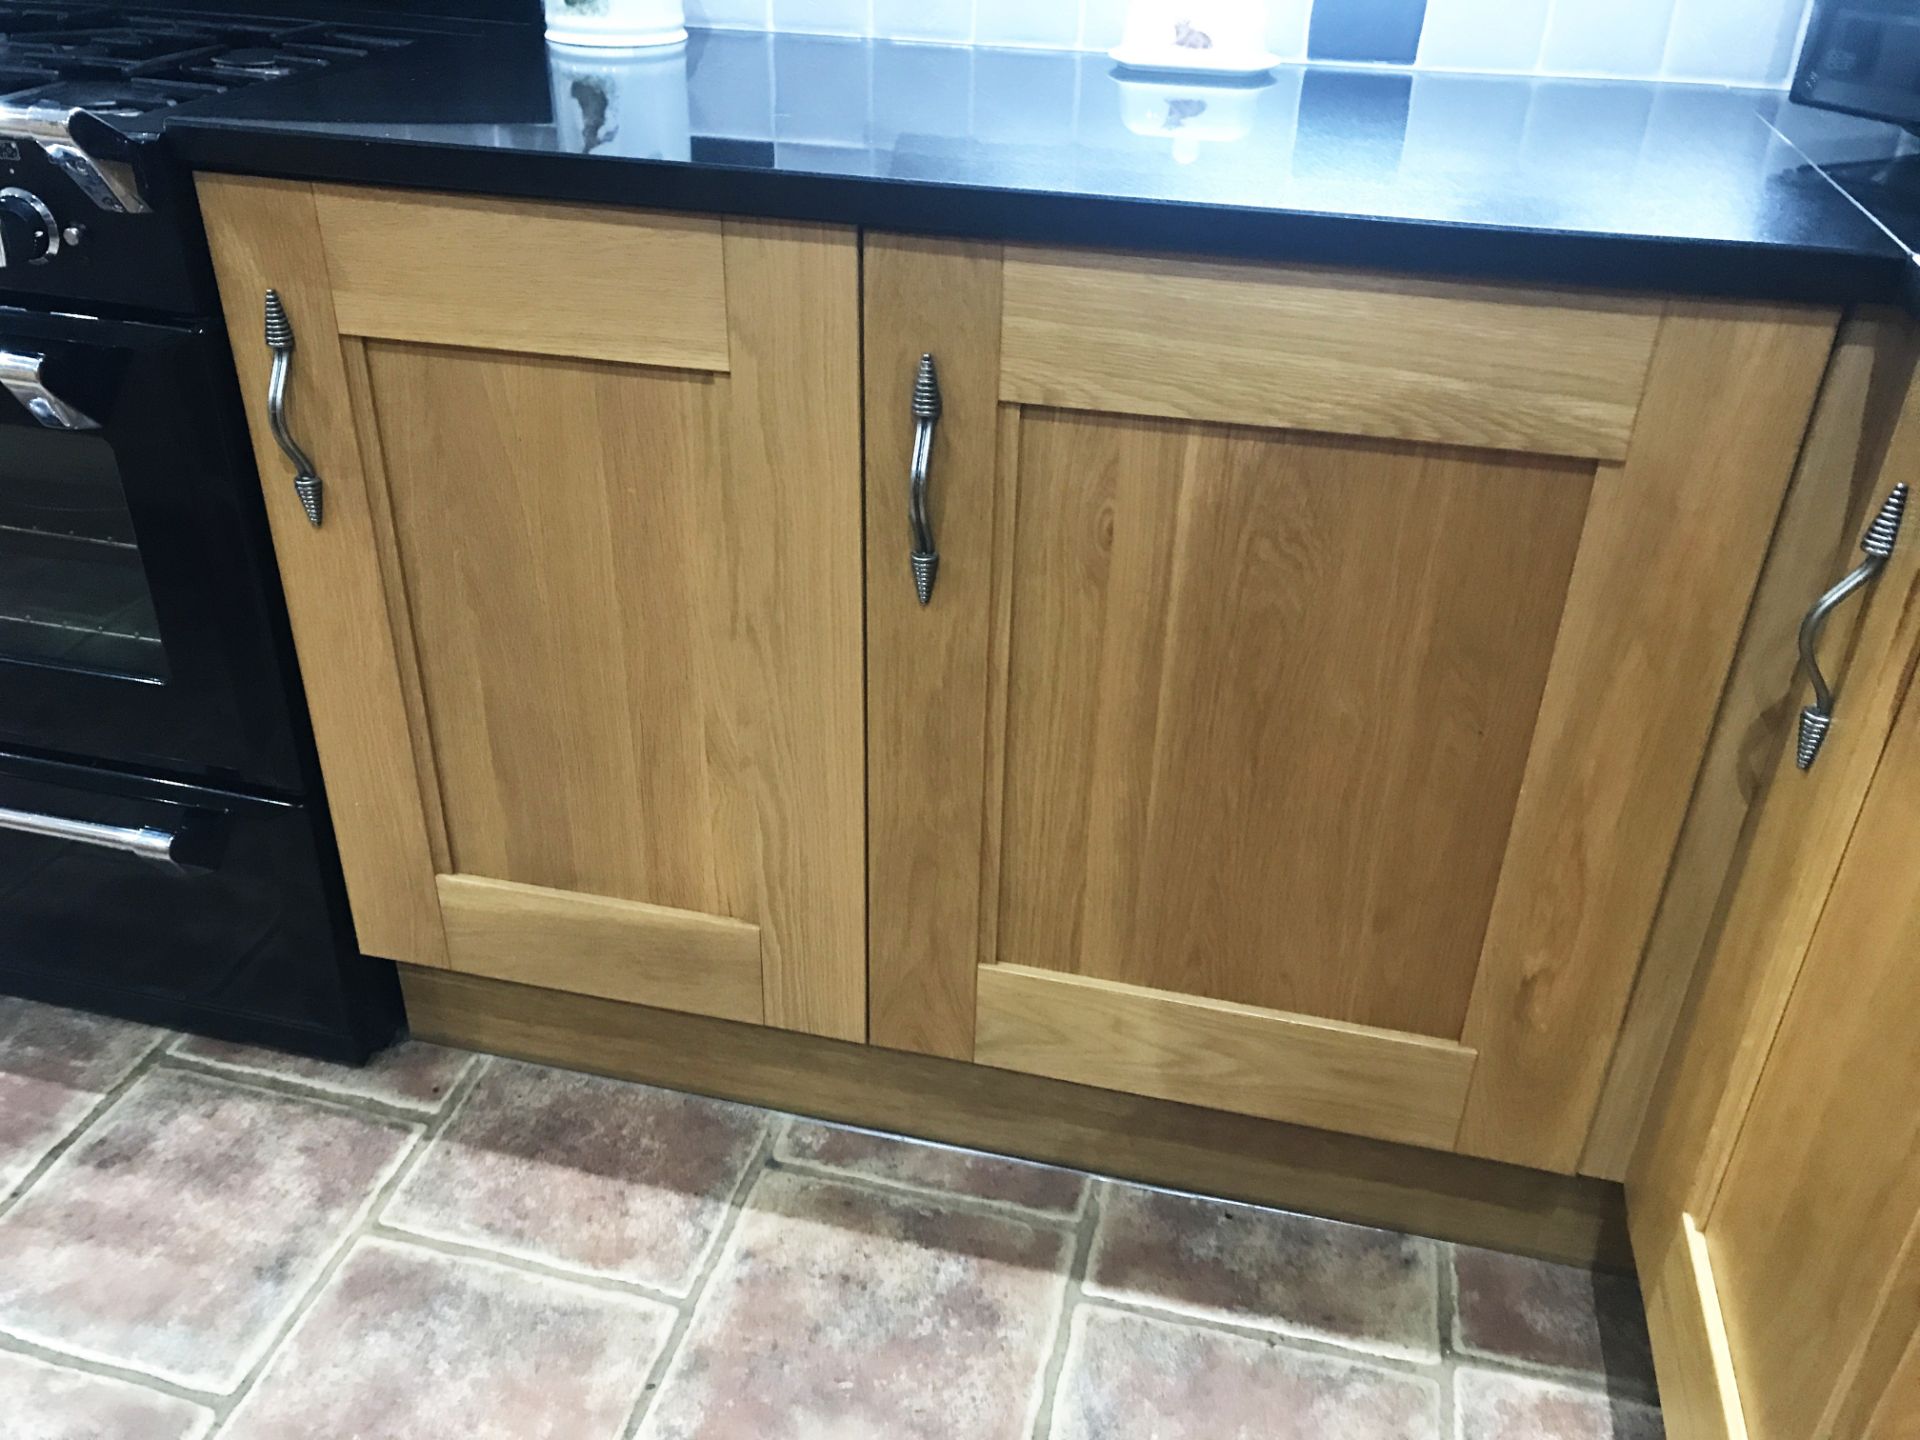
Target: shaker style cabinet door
579, 619
1306, 698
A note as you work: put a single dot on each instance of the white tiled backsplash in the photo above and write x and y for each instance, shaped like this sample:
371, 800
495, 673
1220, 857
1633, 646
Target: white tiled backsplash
1733, 42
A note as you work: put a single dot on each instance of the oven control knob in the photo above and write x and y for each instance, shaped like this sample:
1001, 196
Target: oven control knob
28, 231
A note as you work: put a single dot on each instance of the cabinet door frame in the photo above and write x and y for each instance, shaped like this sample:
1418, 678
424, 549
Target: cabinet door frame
1687, 490
771, 307
1767, 930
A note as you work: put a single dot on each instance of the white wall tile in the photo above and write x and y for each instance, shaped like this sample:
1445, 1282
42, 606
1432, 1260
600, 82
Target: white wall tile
824, 17
729, 14
950, 21
1101, 22
1607, 37
1287, 27
1051, 24
1483, 34
1742, 42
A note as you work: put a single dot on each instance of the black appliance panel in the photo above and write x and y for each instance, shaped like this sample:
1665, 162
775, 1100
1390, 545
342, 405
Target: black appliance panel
136, 621
232, 936
1863, 57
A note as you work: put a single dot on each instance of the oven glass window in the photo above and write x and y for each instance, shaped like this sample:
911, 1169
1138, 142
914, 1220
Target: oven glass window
73, 586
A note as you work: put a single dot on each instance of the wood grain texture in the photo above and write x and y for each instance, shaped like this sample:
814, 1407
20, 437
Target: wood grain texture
264, 233
1269, 702
406, 650
1699, 1389
1836, 486
1823, 1186
1232, 1057
1879, 1383
1156, 1142
635, 596
1897, 1417
1755, 953
568, 566
1493, 367
590, 282
793, 485
590, 945
1668, 560
927, 667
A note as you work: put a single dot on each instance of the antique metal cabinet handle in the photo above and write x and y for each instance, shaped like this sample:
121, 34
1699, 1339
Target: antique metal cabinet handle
306, 483
1882, 535
925, 557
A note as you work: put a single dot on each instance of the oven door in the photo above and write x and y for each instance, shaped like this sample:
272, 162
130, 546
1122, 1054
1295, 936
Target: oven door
138, 611
184, 906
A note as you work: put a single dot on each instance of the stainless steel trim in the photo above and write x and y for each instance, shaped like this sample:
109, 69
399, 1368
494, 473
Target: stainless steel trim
306, 480
142, 840
1882, 535
109, 184
925, 557
20, 374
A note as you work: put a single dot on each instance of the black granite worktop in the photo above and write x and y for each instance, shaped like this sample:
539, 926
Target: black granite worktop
1675, 188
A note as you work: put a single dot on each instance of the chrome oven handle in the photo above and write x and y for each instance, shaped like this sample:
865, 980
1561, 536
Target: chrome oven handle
20, 374
306, 481
925, 556
1882, 535
142, 840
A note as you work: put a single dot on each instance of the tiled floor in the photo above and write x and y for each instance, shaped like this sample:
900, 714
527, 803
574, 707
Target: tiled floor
199, 1240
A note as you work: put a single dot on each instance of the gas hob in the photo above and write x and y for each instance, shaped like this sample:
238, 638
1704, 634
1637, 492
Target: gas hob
122, 65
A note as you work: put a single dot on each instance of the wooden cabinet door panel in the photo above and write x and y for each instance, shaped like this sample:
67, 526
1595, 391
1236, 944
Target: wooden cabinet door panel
1812, 1231
1269, 700
614, 511
1297, 687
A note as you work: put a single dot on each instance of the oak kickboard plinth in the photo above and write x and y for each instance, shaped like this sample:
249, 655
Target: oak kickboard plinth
594, 945
1378, 1083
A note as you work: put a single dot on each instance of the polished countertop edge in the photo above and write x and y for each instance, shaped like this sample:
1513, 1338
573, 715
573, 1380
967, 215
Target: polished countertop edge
1707, 268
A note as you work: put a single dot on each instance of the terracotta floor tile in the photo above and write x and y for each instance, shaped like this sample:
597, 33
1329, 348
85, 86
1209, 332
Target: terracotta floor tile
47, 1402
842, 1312
1511, 1308
54, 1067
186, 1223
1497, 1406
587, 1174
408, 1342
411, 1075
1128, 1377
1295, 1274
893, 1160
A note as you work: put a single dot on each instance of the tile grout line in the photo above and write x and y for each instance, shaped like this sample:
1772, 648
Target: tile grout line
429, 1125
514, 1260
430, 1129
750, 1176
900, 1189
219, 1402
307, 1090
108, 1099
1448, 1420
1070, 1299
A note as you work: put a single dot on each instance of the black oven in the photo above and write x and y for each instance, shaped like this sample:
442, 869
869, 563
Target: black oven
136, 623
1863, 57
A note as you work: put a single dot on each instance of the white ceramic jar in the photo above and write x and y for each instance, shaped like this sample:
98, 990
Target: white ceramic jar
616, 24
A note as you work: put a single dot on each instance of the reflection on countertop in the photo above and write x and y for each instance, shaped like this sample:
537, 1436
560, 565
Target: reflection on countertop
1614, 182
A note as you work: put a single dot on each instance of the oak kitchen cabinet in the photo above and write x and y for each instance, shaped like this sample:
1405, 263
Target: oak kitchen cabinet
1318, 666
1300, 722
580, 627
